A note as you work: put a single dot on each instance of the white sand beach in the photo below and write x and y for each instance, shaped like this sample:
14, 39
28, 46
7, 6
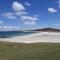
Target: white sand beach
51, 37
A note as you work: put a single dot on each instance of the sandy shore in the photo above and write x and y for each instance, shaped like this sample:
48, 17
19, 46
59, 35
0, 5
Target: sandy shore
52, 37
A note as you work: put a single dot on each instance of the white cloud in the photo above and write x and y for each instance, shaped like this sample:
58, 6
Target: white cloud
16, 27
8, 27
9, 15
52, 10
57, 24
36, 15
18, 6
59, 3
5, 27
29, 19
59, 6
21, 13
1, 22
32, 22
0, 28
27, 4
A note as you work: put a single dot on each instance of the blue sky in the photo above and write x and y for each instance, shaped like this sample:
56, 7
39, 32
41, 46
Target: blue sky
29, 14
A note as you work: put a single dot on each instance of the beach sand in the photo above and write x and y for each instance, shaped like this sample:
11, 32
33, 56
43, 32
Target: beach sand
50, 37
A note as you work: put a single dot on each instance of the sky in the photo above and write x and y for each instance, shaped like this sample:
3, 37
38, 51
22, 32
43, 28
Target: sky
29, 14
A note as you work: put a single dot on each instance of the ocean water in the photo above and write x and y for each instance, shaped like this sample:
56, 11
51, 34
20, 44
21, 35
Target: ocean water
7, 34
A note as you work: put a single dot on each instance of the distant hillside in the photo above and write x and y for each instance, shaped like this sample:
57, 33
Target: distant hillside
48, 29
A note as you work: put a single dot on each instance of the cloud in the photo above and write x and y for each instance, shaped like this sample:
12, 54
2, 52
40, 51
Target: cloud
6, 27
29, 19
16, 27
27, 4
32, 22
52, 10
9, 15
18, 6
59, 3
59, 6
36, 15
57, 24
21, 13
1, 22
9, 27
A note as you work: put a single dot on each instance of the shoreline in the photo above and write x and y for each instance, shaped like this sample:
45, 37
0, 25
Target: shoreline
50, 37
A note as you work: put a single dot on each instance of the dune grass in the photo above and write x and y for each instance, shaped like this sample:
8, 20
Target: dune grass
37, 51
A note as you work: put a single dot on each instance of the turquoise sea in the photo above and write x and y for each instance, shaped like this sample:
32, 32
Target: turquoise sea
7, 34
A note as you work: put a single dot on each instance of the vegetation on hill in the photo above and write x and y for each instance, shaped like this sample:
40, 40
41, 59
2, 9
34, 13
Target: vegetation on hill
48, 29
